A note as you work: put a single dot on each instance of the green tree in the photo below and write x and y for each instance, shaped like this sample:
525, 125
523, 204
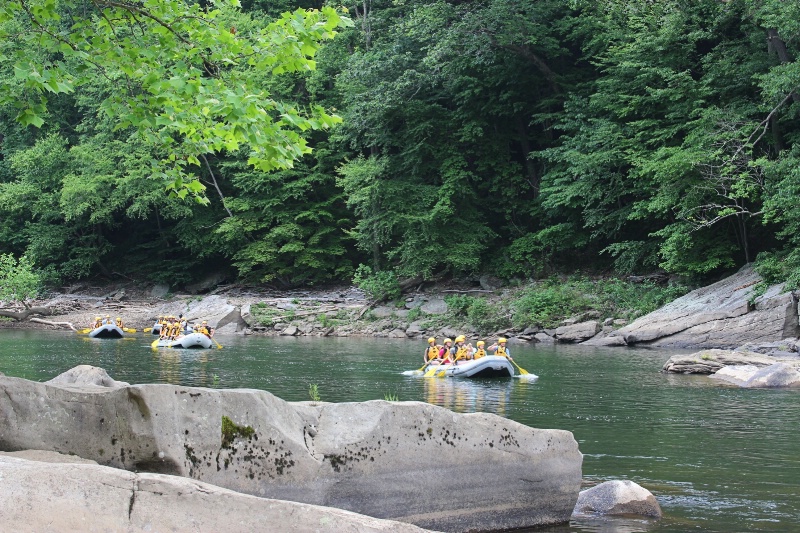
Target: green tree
185, 75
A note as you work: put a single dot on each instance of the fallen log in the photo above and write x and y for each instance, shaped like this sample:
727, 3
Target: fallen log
22, 315
51, 323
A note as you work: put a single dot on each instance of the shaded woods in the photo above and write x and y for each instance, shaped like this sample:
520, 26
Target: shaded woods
511, 137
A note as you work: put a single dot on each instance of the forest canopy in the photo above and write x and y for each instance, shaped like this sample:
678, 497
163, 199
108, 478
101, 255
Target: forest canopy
414, 137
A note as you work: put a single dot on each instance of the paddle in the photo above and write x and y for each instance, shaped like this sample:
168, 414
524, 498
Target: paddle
154, 344
521, 370
129, 330
87, 330
147, 330
431, 372
219, 346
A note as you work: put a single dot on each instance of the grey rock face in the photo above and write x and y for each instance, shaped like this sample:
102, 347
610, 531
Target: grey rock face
373, 457
778, 375
719, 316
83, 497
83, 375
159, 290
618, 498
710, 361
434, 306
578, 332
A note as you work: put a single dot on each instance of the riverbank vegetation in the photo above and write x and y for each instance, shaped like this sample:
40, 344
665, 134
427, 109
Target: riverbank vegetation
395, 140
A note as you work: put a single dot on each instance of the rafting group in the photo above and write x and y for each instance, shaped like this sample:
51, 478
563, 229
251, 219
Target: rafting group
171, 327
450, 353
99, 322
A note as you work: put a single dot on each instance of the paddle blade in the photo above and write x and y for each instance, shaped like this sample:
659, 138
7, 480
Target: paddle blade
430, 373
155, 343
147, 330
87, 330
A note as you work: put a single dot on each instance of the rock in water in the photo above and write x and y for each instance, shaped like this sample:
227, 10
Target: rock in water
382, 459
618, 497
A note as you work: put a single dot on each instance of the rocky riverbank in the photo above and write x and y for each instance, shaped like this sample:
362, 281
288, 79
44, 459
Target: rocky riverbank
730, 313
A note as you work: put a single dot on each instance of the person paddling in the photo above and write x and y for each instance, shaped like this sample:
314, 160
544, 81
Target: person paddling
500, 349
431, 355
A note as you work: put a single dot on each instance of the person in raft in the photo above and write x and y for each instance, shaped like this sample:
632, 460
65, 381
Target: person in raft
108, 320
480, 352
118, 322
500, 349
461, 351
444, 351
205, 329
98, 321
431, 355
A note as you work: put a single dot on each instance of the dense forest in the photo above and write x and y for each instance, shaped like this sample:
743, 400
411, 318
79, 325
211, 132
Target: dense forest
165, 140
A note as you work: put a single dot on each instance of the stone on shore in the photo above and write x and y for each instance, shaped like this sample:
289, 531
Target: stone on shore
778, 375
578, 332
382, 459
83, 375
618, 497
711, 361
82, 497
719, 316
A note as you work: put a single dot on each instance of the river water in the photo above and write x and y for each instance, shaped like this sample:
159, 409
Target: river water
718, 458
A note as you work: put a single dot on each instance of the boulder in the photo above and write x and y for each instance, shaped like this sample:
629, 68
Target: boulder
246, 315
159, 290
383, 311
414, 329
605, 339
778, 375
710, 361
290, 331
720, 316
577, 332
369, 457
86, 375
544, 337
434, 306
84, 497
397, 334
618, 497
490, 283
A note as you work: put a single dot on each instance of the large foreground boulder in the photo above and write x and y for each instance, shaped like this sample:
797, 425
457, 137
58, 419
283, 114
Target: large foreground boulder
79, 497
409, 461
719, 316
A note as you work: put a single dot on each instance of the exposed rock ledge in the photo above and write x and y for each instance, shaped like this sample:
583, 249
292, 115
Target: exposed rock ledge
717, 316
82, 497
398, 460
740, 367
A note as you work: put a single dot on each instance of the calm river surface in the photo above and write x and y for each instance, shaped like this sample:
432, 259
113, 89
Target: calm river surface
718, 458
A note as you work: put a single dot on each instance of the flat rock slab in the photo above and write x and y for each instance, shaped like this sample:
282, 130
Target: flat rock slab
778, 375
719, 316
711, 361
80, 497
382, 459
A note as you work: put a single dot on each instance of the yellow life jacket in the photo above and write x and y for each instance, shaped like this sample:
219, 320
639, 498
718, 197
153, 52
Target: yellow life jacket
461, 352
501, 351
432, 353
480, 353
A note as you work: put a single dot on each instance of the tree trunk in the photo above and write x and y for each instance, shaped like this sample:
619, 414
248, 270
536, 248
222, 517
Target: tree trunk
22, 315
779, 45
533, 177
